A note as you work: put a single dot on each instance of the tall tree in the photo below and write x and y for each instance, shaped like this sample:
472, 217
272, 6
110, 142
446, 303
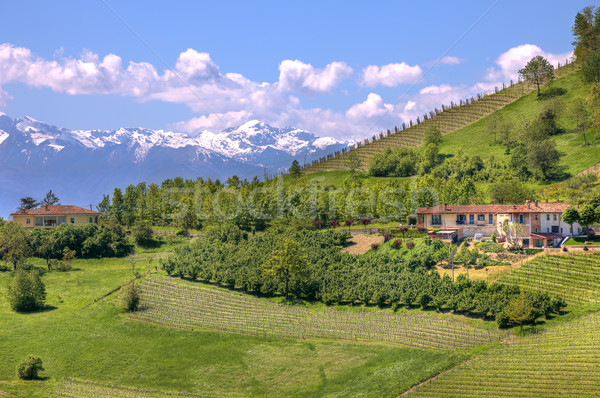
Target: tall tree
544, 158
50, 199
586, 32
286, 263
28, 203
570, 215
590, 69
520, 310
594, 101
295, 169
129, 205
116, 209
587, 215
432, 136
353, 162
104, 206
538, 70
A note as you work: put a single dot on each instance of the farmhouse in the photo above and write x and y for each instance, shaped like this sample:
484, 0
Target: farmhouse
540, 222
53, 216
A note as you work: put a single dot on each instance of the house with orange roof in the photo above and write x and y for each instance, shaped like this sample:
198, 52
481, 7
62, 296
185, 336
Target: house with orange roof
52, 216
541, 222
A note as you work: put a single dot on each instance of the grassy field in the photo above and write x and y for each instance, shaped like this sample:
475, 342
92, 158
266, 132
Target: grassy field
582, 242
88, 337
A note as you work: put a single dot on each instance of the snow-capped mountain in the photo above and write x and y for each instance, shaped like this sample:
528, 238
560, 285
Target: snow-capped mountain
82, 165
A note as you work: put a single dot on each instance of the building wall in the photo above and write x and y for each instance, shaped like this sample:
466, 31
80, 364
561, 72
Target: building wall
563, 227
77, 218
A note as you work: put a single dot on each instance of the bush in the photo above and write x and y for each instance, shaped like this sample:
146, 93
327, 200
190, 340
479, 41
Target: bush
502, 319
142, 233
387, 236
564, 248
28, 368
130, 296
531, 252
515, 249
494, 236
410, 245
26, 291
397, 244
183, 233
374, 246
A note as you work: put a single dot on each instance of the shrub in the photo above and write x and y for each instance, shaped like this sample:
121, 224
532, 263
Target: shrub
410, 245
374, 246
502, 319
531, 252
397, 244
130, 296
28, 368
421, 229
515, 249
585, 248
142, 233
564, 248
334, 223
26, 291
318, 224
494, 236
387, 236
183, 233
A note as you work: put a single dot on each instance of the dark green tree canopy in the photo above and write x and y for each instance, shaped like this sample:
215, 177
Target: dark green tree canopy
538, 70
50, 199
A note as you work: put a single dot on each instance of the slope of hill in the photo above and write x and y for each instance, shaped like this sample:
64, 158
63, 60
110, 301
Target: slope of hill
465, 123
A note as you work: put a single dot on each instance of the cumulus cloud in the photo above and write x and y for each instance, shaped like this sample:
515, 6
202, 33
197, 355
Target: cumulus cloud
514, 59
449, 60
391, 75
297, 76
373, 106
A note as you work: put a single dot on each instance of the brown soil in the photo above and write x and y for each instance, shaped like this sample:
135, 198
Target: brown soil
360, 244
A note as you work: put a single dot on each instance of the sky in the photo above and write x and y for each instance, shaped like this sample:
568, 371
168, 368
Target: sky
345, 69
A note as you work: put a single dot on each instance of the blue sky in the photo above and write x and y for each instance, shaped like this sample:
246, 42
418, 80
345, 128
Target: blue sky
339, 68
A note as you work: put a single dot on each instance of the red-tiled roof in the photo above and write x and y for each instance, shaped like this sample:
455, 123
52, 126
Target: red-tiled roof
546, 235
540, 207
56, 210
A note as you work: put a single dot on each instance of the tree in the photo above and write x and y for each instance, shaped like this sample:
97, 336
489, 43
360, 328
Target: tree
509, 191
129, 205
28, 203
587, 215
286, 263
513, 231
14, 243
44, 245
68, 256
50, 199
295, 169
353, 162
432, 136
570, 215
544, 158
348, 223
519, 310
130, 296
26, 291
365, 221
116, 209
590, 69
29, 368
142, 233
586, 31
539, 70
104, 206
580, 111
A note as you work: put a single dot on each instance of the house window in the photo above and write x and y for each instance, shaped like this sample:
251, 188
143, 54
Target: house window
461, 219
28, 221
39, 221
436, 219
491, 220
536, 218
62, 220
72, 220
50, 221
521, 221
554, 216
555, 229
481, 217
91, 220
536, 230
548, 217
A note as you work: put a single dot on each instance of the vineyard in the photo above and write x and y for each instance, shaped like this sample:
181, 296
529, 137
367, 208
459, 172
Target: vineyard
181, 304
560, 362
448, 119
576, 277
74, 388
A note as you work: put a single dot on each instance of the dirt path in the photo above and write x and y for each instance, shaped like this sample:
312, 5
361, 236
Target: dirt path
360, 244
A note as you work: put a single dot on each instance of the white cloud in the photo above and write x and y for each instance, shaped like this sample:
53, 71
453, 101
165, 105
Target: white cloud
373, 106
514, 59
298, 76
449, 60
391, 75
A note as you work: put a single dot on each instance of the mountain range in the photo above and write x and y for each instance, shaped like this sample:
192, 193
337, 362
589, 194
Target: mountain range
81, 165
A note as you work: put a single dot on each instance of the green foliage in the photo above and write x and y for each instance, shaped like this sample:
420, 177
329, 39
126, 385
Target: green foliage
295, 169
50, 199
509, 192
287, 263
544, 159
353, 162
588, 215
14, 243
538, 70
570, 215
397, 162
590, 69
26, 291
142, 233
432, 136
520, 310
586, 30
130, 296
29, 368
28, 203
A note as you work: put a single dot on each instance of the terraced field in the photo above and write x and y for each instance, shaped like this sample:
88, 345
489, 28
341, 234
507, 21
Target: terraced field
562, 362
576, 277
172, 302
448, 119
